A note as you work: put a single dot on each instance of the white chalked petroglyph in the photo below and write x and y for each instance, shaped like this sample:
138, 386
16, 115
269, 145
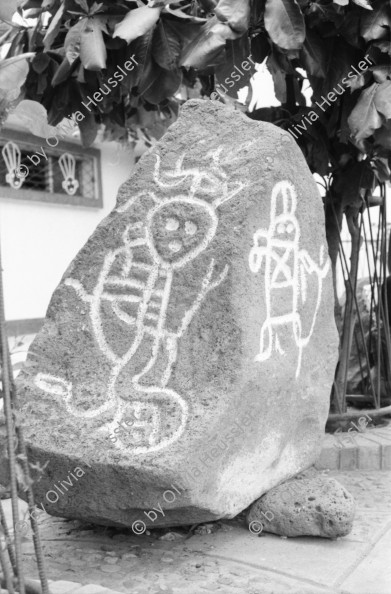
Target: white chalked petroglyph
176, 231
286, 269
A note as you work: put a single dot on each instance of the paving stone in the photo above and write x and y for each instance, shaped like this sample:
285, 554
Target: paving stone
110, 568
93, 589
371, 450
386, 457
63, 587
369, 454
302, 558
110, 560
329, 458
348, 458
377, 564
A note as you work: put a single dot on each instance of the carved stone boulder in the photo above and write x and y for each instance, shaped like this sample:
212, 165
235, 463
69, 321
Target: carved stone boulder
187, 357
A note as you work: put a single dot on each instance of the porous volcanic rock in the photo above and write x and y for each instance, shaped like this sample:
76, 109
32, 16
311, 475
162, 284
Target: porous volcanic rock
199, 315
314, 506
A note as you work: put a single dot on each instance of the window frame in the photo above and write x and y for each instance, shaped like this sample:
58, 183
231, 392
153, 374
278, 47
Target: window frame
29, 143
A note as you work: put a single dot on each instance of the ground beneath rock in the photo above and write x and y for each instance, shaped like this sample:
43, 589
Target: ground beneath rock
229, 559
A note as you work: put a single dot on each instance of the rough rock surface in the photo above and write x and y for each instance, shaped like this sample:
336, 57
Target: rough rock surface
311, 506
199, 315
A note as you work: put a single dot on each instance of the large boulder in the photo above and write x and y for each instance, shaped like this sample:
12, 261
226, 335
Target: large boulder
187, 356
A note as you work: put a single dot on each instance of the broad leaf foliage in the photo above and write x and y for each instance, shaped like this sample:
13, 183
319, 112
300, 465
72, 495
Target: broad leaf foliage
341, 49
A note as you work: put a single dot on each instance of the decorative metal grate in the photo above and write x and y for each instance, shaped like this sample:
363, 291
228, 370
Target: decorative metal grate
64, 175
367, 359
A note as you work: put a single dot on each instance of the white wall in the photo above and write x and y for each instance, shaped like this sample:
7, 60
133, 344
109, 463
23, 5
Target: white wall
39, 240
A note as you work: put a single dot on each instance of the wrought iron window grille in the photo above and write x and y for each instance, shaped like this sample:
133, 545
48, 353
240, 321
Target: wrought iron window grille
32, 170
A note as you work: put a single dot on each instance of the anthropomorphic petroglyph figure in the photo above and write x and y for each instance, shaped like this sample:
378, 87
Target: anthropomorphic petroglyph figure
136, 282
286, 270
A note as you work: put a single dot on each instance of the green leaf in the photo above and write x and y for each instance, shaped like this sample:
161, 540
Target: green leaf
279, 79
164, 85
137, 22
72, 41
383, 136
177, 12
85, 39
96, 8
53, 28
63, 72
382, 169
381, 72
150, 72
365, 118
231, 73
34, 117
142, 48
236, 13
313, 55
83, 4
93, 52
374, 24
167, 45
285, 23
13, 71
260, 47
363, 4
203, 51
8, 9
88, 130
383, 99
40, 62
341, 2
187, 31
158, 3
384, 46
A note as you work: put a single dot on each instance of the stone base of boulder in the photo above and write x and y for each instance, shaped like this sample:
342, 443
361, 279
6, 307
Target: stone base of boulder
305, 506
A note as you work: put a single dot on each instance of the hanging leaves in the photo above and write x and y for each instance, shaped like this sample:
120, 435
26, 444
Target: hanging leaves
13, 71
279, 78
166, 45
85, 40
260, 47
363, 4
8, 9
383, 136
237, 70
384, 46
383, 99
53, 28
137, 22
34, 117
164, 84
142, 48
236, 13
177, 12
72, 41
40, 62
63, 72
284, 22
211, 39
93, 52
204, 50
377, 24
88, 129
314, 55
365, 118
